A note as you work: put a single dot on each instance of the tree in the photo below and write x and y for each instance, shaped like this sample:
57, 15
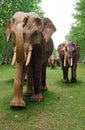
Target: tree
54, 52
7, 9
77, 31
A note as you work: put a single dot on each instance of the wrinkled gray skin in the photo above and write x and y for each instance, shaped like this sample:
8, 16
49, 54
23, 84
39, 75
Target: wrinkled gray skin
33, 45
69, 55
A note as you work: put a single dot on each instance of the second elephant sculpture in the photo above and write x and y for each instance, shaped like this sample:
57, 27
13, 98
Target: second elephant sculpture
33, 45
52, 61
69, 55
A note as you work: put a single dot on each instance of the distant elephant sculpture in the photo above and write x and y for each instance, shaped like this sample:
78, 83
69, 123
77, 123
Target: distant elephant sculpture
69, 55
33, 45
53, 61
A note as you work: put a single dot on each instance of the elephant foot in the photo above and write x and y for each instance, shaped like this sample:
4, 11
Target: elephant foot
37, 97
44, 88
17, 102
65, 81
73, 80
28, 93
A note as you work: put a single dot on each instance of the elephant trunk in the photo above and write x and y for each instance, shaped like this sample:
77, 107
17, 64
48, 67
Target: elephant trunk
20, 55
65, 59
70, 61
19, 44
27, 58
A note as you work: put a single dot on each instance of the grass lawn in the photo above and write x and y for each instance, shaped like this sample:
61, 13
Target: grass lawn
63, 107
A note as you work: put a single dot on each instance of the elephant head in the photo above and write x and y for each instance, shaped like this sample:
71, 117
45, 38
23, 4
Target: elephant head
25, 29
68, 52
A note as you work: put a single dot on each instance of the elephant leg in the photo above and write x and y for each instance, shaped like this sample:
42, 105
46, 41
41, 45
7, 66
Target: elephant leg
17, 100
37, 96
36, 67
73, 73
65, 75
43, 78
29, 90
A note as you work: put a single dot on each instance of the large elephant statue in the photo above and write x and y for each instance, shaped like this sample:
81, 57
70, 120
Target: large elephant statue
69, 55
33, 45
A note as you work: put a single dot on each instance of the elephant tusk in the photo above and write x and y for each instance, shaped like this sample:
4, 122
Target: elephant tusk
64, 61
25, 55
14, 58
28, 58
71, 61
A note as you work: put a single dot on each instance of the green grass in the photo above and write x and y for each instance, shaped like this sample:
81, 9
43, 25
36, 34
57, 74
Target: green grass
63, 107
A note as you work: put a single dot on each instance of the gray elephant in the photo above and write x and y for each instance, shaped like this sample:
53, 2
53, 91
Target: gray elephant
33, 45
69, 55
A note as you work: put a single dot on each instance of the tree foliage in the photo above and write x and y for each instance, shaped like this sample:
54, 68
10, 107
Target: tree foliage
7, 9
54, 52
77, 31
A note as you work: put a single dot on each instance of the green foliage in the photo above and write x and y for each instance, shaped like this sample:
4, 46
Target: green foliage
63, 107
7, 9
54, 52
77, 31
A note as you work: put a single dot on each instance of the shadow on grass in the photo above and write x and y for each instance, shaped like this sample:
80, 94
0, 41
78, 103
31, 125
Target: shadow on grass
17, 108
8, 81
69, 84
49, 99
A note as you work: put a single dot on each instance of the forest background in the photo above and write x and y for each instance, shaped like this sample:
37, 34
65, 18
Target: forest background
9, 7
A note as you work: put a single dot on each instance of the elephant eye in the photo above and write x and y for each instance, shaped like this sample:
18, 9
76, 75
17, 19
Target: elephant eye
38, 21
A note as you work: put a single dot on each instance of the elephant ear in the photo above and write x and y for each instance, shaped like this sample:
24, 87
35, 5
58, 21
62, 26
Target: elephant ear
48, 29
7, 30
59, 48
38, 21
77, 50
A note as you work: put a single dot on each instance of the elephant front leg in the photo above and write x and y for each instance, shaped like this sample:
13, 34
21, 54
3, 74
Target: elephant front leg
17, 100
43, 79
37, 96
65, 75
37, 68
73, 73
29, 90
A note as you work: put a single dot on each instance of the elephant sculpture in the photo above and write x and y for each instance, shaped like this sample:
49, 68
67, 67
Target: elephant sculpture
69, 55
53, 61
31, 36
